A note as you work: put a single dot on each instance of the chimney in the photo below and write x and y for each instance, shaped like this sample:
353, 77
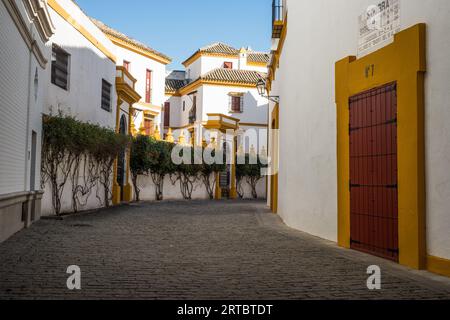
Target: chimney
243, 58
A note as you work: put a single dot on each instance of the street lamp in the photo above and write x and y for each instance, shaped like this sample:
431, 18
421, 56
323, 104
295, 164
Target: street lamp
262, 90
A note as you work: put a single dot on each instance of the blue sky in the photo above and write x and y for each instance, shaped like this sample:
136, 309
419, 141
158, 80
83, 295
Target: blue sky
178, 28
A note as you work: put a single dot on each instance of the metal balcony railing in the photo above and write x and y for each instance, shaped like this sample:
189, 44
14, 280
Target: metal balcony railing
277, 18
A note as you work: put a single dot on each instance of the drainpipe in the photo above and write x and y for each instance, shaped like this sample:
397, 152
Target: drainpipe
27, 139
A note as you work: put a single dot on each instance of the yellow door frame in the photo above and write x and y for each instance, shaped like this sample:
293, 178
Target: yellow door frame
404, 62
275, 125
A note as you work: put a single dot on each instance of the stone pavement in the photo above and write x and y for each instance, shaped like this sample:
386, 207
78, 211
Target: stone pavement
194, 250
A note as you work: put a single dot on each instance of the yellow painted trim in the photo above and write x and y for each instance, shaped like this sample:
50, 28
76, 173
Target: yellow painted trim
199, 54
257, 64
128, 189
146, 53
276, 55
150, 113
403, 62
218, 191
223, 116
196, 84
172, 94
85, 33
438, 265
245, 124
116, 188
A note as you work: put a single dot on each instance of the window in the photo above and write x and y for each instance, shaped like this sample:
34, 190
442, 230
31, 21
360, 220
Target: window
106, 95
236, 103
167, 114
148, 87
228, 65
193, 112
126, 65
60, 67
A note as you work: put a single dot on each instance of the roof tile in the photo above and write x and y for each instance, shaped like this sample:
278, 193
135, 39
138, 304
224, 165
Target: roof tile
114, 33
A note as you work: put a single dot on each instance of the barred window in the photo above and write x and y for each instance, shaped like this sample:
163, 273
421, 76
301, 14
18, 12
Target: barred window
106, 95
236, 103
60, 67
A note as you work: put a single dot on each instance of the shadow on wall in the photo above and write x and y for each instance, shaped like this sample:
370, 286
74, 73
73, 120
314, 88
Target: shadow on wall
253, 110
83, 98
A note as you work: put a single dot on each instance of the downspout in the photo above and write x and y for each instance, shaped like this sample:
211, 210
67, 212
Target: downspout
27, 138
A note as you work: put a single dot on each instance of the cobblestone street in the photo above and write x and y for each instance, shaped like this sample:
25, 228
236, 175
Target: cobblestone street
194, 250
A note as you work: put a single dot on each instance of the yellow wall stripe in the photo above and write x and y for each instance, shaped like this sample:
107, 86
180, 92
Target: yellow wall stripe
438, 265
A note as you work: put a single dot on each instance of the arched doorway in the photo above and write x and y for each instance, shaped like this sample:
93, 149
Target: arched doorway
121, 166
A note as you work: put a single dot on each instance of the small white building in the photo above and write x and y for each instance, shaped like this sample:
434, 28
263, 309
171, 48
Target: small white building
218, 79
363, 115
218, 85
148, 67
25, 28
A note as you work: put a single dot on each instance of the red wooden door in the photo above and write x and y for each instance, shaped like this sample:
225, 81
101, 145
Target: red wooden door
373, 172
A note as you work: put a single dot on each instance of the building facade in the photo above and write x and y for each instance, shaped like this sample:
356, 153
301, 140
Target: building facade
369, 164
148, 67
85, 81
25, 28
217, 92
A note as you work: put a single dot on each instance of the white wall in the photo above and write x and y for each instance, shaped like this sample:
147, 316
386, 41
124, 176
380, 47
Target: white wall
175, 111
139, 65
88, 66
18, 93
206, 64
305, 82
171, 191
216, 100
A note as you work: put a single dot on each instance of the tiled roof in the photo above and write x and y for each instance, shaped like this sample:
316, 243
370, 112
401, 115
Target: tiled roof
235, 76
220, 48
258, 57
173, 85
114, 33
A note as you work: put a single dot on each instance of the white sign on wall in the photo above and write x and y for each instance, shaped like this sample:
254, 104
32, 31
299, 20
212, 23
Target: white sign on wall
377, 25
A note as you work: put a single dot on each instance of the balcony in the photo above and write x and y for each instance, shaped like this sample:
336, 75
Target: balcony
277, 18
221, 122
125, 84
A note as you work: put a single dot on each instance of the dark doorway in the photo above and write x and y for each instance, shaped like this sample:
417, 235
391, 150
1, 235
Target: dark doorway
121, 174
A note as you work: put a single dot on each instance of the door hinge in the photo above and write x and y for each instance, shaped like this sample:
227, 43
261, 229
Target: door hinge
392, 186
394, 250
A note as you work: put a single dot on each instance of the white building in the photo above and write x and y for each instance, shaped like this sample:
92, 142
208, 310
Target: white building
148, 67
25, 27
84, 82
218, 87
320, 67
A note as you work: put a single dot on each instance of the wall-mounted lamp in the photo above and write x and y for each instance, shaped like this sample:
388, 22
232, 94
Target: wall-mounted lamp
262, 90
